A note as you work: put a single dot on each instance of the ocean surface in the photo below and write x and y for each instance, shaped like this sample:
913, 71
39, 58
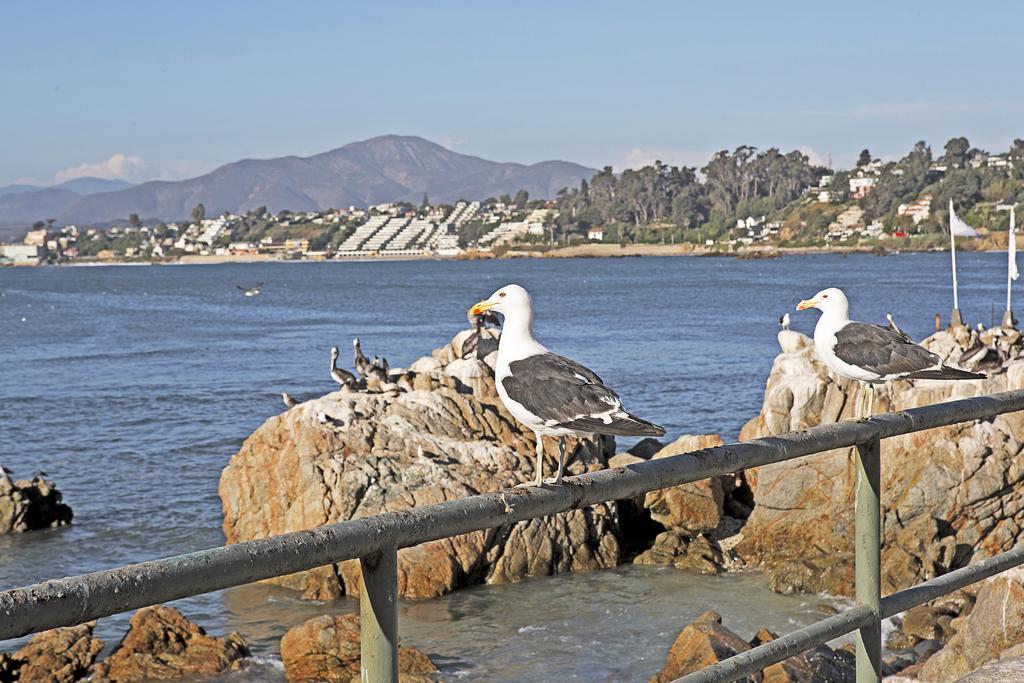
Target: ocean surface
131, 387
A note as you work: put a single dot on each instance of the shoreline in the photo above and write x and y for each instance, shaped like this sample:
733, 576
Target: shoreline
596, 250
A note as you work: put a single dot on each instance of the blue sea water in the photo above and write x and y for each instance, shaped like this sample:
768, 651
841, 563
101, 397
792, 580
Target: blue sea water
133, 386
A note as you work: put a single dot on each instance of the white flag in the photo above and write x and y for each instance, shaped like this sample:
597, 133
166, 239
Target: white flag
1014, 273
958, 227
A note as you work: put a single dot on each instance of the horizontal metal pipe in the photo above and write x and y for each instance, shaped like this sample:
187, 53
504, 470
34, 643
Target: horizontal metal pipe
783, 647
69, 601
954, 580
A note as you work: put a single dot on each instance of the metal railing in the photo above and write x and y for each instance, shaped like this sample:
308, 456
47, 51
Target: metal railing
375, 541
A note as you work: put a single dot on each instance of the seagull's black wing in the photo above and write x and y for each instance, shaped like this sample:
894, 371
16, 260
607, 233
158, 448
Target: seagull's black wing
891, 354
564, 393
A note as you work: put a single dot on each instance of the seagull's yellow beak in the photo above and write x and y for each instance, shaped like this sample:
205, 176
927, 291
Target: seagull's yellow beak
806, 303
481, 306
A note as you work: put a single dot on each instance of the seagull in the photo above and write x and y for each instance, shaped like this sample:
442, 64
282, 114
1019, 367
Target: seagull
550, 394
869, 353
784, 321
340, 375
250, 291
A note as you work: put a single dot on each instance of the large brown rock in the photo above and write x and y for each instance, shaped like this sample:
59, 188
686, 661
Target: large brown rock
161, 644
705, 641
994, 628
30, 504
441, 434
696, 507
948, 495
61, 655
326, 648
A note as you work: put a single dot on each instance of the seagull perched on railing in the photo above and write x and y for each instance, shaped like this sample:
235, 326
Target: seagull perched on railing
551, 394
870, 353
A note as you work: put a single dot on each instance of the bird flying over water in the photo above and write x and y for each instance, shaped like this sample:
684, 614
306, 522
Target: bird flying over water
551, 394
870, 353
251, 291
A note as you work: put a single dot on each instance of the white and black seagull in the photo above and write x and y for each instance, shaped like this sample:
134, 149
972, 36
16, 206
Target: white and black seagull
551, 394
870, 353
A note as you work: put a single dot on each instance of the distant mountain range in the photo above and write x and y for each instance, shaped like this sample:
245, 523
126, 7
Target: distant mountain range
382, 169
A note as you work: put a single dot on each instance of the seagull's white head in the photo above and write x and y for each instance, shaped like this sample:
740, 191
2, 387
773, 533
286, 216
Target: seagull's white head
829, 301
511, 301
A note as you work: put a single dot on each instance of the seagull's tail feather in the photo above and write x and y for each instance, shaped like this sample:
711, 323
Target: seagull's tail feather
622, 424
945, 372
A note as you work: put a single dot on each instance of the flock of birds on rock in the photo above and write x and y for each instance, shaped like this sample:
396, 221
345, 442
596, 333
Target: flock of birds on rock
367, 371
555, 396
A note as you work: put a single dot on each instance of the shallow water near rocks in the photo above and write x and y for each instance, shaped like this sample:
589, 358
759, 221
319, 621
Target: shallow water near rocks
132, 387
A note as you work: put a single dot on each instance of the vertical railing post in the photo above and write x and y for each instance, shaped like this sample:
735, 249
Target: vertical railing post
868, 560
378, 617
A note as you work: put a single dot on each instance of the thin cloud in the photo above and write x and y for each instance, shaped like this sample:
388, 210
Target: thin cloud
638, 157
117, 167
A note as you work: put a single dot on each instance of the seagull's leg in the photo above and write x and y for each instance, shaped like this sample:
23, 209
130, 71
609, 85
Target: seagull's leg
539, 481
561, 463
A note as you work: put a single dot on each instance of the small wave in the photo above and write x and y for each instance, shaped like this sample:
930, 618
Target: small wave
531, 628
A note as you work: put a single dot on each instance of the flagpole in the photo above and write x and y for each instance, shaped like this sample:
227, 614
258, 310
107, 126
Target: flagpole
1011, 266
956, 320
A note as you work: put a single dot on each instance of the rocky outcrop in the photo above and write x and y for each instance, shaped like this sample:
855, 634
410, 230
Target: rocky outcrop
994, 629
949, 495
705, 641
161, 644
29, 504
61, 655
438, 432
326, 648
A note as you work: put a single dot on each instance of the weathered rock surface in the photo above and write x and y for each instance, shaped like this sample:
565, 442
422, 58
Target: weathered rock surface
706, 641
326, 648
61, 655
161, 644
442, 434
30, 504
696, 507
992, 630
949, 495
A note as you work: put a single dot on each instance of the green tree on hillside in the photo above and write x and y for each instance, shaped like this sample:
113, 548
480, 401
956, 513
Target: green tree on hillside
864, 159
956, 152
199, 213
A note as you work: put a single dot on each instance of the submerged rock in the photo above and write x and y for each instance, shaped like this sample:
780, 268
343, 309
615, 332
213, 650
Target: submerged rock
161, 644
30, 504
949, 495
442, 435
61, 655
326, 648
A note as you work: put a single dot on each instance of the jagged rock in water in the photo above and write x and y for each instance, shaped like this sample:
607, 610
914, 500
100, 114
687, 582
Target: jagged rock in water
30, 504
705, 641
443, 435
162, 644
949, 495
61, 655
326, 649
994, 629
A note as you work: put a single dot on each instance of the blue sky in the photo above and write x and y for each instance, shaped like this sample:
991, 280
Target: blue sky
168, 90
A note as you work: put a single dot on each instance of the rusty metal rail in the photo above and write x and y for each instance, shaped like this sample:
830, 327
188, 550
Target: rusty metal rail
375, 541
